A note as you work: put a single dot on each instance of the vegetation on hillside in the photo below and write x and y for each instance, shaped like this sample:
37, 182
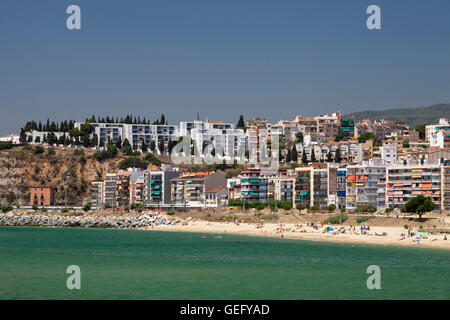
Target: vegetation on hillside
410, 116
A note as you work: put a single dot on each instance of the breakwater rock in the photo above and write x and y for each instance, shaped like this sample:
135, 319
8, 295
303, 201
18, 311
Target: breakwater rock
54, 220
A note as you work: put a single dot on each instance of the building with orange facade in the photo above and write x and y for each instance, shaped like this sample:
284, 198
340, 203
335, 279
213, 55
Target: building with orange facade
42, 195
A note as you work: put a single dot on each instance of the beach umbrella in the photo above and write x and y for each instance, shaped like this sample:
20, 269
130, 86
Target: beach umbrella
330, 229
363, 223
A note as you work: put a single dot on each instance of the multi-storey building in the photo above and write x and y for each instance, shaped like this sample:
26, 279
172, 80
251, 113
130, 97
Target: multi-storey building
157, 186
431, 131
253, 185
146, 133
347, 124
405, 181
337, 186
311, 185
363, 183
109, 190
42, 195
328, 126
446, 185
137, 187
136, 134
443, 139
97, 193
389, 151
123, 189
190, 187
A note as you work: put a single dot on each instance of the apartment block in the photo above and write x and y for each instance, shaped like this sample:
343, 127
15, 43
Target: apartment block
189, 188
109, 190
157, 186
253, 185
347, 124
431, 131
337, 176
364, 182
446, 185
97, 193
123, 189
405, 181
311, 185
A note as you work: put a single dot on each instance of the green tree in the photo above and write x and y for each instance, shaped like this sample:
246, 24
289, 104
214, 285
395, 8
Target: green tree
338, 157
304, 159
340, 135
419, 205
288, 156
161, 146
367, 136
240, 124
119, 142
299, 137
152, 146
313, 155
86, 207
421, 129
405, 144
144, 147
294, 154
329, 157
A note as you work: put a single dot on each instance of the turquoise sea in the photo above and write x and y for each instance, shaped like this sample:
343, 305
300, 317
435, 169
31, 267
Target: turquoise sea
131, 264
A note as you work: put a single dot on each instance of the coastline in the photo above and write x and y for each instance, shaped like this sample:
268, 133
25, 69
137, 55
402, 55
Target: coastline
292, 231
386, 235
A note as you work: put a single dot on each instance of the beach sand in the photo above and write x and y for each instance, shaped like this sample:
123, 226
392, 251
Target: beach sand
292, 231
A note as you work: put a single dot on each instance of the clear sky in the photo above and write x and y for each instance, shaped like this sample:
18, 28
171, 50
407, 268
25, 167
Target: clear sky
221, 58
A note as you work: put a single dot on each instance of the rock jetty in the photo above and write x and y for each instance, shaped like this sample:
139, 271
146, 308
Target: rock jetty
54, 220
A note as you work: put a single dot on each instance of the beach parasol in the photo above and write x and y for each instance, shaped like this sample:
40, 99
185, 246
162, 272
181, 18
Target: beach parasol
330, 228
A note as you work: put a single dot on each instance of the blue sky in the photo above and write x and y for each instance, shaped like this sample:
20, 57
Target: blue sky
273, 59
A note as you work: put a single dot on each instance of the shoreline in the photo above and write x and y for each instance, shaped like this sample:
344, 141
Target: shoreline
289, 232
388, 235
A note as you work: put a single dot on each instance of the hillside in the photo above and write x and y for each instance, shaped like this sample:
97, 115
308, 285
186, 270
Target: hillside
20, 168
410, 116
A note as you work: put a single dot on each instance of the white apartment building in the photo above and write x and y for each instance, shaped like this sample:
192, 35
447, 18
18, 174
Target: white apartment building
431, 131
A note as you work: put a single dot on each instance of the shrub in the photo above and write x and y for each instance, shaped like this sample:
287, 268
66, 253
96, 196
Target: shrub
389, 209
150, 157
287, 206
300, 207
170, 212
132, 162
343, 210
331, 207
38, 150
78, 152
34, 207
315, 208
366, 208
110, 152
107, 206
336, 219
5, 145
26, 148
363, 218
406, 226
51, 152
6, 208
86, 207
65, 210
44, 209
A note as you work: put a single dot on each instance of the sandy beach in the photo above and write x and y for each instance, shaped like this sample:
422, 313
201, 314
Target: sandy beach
392, 235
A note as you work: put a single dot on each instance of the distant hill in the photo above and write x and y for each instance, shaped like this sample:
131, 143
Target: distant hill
410, 116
